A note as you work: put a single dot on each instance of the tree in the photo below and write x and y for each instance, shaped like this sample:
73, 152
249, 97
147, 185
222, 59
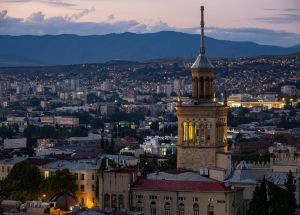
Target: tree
277, 198
290, 187
171, 163
103, 164
148, 165
22, 182
259, 202
79, 131
97, 123
61, 181
253, 208
102, 142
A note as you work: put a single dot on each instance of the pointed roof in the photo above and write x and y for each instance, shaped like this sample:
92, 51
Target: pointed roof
202, 61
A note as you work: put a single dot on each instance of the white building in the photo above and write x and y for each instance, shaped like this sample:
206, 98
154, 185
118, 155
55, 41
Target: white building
159, 145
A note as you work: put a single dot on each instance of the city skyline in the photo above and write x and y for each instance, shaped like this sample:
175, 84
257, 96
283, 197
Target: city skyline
263, 22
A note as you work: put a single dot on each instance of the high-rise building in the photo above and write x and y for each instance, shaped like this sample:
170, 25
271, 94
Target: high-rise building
202, 123
74, 84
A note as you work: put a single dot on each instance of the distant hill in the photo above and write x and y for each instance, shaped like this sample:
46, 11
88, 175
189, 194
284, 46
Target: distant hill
72, 49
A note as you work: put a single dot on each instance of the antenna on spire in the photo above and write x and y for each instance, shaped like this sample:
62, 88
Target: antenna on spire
202, 49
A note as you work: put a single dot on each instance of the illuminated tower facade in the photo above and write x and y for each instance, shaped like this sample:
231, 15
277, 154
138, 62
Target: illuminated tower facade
202, 122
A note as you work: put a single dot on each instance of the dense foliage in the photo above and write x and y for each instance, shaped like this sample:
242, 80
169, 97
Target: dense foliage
271, 199
25, 182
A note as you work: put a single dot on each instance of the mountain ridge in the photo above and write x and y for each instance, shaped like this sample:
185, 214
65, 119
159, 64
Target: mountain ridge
64, 49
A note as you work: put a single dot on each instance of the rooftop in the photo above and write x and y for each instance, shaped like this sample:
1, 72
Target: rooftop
63, 164
13, 160
202, 62
177, 175
174, 185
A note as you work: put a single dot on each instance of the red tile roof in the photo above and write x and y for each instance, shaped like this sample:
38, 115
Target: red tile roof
173, 185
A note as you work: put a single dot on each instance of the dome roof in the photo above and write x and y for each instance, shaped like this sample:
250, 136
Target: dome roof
64, 201
202, 62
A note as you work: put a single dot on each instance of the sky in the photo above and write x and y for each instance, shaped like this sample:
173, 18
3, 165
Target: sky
271, 22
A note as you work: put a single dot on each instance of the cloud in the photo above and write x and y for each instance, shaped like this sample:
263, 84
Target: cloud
56, 3
111, 18
84, 12
38, 24
258, 35
283, 9
281, 18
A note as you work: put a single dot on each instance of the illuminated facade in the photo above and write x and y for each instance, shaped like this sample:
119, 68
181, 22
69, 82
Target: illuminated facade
202, 123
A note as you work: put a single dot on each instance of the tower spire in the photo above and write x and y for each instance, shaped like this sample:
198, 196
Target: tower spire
202, 49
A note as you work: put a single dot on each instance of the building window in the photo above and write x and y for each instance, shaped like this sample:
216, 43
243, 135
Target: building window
46, 174
2, 168
153, 208
8, 169
167, 208
210, 209
181, 198
152, 197
93, 187
114, 201
139, 206
106, 201
121, 202
195, 199
196, 209
167, 198
82, 176
139, 196
76, 175
81, 188
93, 177
181, 209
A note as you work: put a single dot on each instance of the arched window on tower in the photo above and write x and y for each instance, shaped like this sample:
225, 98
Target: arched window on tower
208, 132
191, 132
185, 131
202, 134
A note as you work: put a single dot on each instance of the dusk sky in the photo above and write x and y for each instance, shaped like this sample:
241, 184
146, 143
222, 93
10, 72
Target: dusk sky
275, 22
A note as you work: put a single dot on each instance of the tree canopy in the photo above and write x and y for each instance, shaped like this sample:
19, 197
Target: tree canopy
22, 182
61, 181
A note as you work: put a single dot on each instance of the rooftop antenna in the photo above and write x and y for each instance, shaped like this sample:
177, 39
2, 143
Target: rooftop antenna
202, 49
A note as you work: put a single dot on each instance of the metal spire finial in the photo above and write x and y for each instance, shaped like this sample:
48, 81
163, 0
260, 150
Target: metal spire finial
202, 49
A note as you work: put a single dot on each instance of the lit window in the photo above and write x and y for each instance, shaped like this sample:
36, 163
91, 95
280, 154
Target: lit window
46, 174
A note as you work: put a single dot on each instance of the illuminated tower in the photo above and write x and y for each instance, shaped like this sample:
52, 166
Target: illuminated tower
202, 123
